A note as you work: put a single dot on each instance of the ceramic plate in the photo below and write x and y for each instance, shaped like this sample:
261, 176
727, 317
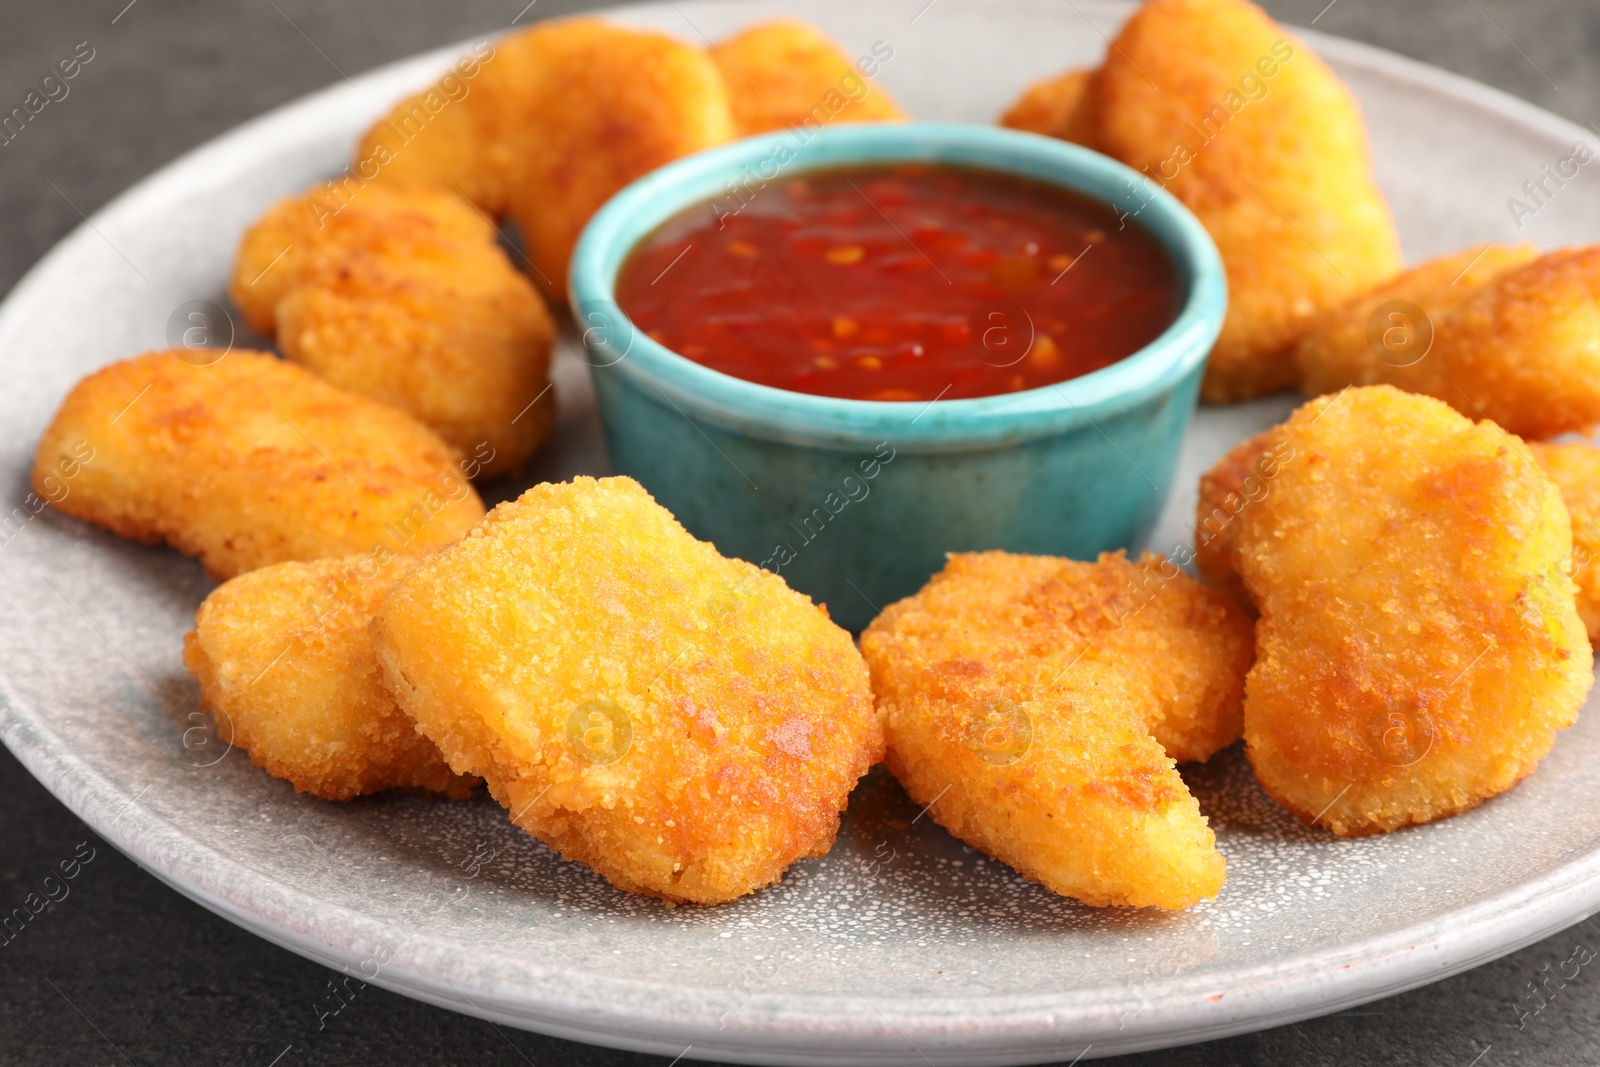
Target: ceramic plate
900, 947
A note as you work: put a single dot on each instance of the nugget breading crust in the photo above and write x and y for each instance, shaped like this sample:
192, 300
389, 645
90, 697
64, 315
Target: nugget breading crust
1418, 645
561, 117
597, 107
1184, 648
788, 73
1239, 120
685, 724
1238, 480
447, 136
1492, 331
250, 461
403, 294
1020, 695
1244, 476
1576, 471
286, 666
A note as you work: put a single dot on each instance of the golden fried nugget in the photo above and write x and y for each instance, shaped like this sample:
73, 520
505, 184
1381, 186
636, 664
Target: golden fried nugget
286, 665
1492, 331
1055, 107
559, 118
448, 136
1418, 645
1356, 341
598, 107
1027, 699
788, 73
249, 461
1244, 476
403, 294
1093, 810
1253, 133
1030, 618
1576, 471
685, 724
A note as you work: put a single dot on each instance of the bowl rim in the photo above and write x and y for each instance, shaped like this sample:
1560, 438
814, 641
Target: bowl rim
612, 343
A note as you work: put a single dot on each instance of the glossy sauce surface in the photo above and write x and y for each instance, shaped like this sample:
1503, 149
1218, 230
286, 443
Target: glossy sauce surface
915, 282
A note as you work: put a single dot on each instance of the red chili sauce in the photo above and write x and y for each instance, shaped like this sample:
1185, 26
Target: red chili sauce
912, 282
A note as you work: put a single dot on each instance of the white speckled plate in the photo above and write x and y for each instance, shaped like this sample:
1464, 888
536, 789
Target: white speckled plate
902, 946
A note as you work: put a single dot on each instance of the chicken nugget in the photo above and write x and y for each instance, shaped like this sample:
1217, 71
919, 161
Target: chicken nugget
1492, 331
449, 136
1237, 118
1576, 471
1092, 809
1244, 476
248, 461
558, 117
787, 73
1056, 107
1028, 699
1373, 336
685, 724
598, 106
286, 666
403, 294
1418, 646
1030, 618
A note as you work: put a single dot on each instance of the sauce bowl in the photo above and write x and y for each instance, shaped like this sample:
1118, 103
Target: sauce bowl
856, 502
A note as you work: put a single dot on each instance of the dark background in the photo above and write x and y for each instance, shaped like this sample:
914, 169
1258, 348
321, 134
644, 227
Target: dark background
126, 971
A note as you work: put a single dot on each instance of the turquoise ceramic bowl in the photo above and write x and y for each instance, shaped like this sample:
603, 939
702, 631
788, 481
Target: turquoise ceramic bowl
857, 502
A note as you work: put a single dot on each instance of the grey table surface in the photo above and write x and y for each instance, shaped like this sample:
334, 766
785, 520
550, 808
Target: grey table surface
126, 971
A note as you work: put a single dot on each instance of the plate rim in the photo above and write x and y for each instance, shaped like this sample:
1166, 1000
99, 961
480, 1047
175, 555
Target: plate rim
1029, 1028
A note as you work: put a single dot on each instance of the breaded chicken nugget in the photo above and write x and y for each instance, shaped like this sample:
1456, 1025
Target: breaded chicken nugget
557, 119
285, 662
1055, 107
563, 115
449, 136
1576, 471
403, 294
1418, 645
685, 724
1244, 476
1020, 695
1492, 331
787, 73
1030, 618
599, 106
1373, 335
250, 461
1093, 809
1236, 118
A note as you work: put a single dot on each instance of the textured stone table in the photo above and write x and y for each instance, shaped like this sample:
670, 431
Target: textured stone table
126, 971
